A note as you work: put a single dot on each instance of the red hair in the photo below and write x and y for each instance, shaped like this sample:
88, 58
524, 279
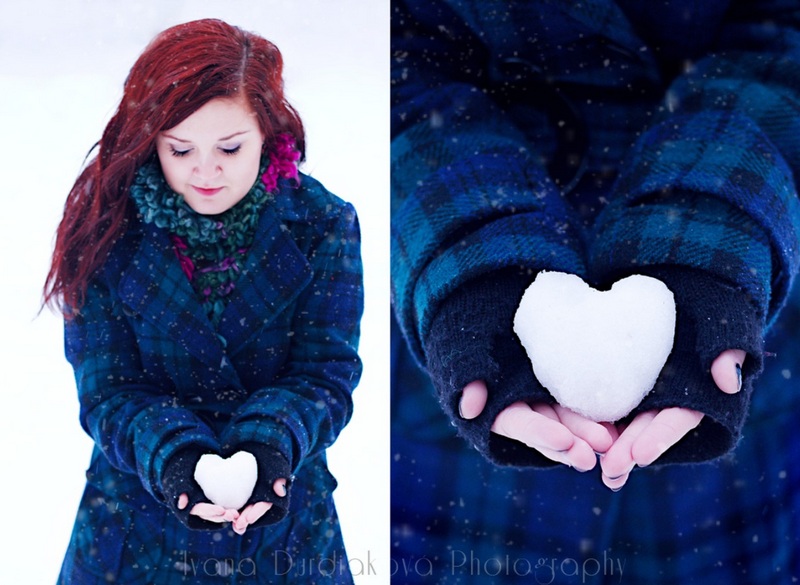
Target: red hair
182, 69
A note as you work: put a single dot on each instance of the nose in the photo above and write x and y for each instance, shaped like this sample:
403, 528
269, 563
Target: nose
208, 167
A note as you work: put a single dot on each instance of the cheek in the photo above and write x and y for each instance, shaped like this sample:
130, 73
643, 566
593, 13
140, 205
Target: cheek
247, 169
172, 172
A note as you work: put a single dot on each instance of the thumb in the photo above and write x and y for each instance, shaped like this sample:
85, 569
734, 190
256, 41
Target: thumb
726, 370
473, 399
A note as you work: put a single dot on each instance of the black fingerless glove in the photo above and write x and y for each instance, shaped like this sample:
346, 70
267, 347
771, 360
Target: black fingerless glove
472, 338
179, 479
712, 317
271, 467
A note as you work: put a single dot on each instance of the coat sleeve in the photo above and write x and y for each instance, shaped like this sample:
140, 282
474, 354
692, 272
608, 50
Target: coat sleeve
707, 201
469, 196
712, 184
302, 412
136, 424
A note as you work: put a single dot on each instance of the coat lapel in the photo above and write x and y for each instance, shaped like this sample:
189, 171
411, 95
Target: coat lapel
274, 273
154, 287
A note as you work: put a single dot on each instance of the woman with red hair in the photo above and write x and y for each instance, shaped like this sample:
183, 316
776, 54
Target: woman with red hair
212, 296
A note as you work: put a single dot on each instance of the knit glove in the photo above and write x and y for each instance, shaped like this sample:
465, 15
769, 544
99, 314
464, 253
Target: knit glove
179, 479
271, 467
472, 338
712, 317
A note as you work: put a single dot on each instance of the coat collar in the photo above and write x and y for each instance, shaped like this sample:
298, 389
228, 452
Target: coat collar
154, 287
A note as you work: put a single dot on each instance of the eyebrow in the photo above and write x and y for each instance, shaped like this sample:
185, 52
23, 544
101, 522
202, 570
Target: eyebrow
223, 139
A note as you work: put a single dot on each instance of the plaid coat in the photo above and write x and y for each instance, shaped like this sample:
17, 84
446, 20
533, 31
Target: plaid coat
591, 138
154, 376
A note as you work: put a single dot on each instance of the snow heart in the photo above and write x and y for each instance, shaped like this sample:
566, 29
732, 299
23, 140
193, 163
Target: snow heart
598, 353
227, 482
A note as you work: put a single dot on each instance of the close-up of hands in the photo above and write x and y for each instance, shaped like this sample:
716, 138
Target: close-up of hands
250, 514
569, 438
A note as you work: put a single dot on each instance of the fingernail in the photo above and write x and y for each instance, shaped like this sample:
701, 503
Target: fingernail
616, 489
283, 488
739, 375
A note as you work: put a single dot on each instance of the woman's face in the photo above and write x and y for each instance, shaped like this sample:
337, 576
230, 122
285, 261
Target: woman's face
212, 158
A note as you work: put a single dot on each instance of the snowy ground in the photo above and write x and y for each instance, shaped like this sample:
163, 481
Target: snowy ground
62, 65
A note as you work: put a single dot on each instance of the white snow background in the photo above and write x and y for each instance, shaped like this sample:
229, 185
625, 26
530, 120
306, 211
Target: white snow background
62, 66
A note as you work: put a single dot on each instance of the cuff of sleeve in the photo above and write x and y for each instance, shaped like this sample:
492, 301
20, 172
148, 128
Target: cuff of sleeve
712, 317
472, 339
271, 467
178, 478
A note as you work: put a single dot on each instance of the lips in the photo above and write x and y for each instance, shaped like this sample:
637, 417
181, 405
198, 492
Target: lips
207, 192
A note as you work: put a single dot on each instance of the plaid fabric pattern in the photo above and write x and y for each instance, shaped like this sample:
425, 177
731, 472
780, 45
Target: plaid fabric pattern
154, 376
714, 154
150, 548
475, 213
458, 519
685, 230
453, 65
690, 117
509, 229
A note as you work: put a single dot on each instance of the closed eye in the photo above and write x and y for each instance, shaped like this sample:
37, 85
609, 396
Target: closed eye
231, 151
175, 152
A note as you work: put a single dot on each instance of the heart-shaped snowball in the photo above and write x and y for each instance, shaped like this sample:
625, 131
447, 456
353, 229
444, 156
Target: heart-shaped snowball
227, 482
598, 352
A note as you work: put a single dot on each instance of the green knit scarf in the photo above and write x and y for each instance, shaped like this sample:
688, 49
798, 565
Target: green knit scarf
210, 248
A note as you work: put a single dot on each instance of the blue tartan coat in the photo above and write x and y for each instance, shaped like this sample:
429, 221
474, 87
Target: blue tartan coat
590, 138
154, 376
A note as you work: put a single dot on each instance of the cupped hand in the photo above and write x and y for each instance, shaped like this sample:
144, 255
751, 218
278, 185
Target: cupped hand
208, 511
554, 431
241, 520
252, 513
651, 433
569, 438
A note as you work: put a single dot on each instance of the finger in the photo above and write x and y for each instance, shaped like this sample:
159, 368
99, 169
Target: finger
240, 524
580, 455
595, 434
183, 501
545, 410
667, 428
726, 370
613, 431
250, 515
618, 460
616, 483
230, 515
256, 511
473, 399
279, 487
523, 423
210, 512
